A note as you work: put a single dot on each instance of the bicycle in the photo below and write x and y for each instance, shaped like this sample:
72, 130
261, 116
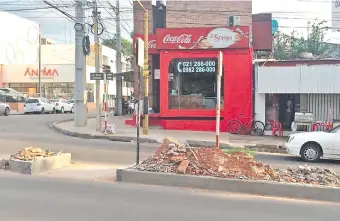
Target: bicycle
236, 127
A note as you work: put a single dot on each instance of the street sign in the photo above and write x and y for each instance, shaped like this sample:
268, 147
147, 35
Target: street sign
96, 76
140, 52
275, 26
109, 76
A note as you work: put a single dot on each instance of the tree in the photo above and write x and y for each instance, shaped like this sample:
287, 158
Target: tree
126, 45
287, 47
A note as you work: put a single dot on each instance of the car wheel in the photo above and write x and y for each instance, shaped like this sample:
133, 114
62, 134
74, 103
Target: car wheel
42, 110
62, 110
311, 152
7, 111
72, 110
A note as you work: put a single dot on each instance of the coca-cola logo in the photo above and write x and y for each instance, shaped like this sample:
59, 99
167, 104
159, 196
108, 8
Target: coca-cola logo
152, 44
181, 39
221, 38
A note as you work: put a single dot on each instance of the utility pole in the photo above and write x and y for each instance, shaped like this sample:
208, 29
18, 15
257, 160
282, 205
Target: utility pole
80, 115
39, 63
97, 64
119, 81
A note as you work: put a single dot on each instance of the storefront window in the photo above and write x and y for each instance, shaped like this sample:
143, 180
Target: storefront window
192, 83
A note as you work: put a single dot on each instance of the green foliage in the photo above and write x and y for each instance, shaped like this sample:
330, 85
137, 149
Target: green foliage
288, 47
126, 45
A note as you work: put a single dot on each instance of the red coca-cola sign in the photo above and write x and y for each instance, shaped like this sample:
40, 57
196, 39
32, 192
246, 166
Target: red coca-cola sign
152, 43
203, 38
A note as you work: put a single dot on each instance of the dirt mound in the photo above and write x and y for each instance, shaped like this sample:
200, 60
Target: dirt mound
175, 158
172, 157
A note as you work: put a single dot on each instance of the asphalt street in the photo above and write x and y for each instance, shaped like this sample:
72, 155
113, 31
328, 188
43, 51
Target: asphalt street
39, 198
28, 198
19, 131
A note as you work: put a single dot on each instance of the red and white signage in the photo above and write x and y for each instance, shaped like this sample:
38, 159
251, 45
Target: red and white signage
45, 72
152, 43
203, 38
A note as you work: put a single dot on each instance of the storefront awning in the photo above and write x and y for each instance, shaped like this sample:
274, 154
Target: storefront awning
128, 75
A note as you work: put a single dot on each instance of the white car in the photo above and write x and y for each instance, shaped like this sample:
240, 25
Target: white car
63, 106
4, 109
312, 146
38, 105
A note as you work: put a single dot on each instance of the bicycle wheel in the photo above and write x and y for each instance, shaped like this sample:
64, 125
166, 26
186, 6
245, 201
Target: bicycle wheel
259, 126
234, 126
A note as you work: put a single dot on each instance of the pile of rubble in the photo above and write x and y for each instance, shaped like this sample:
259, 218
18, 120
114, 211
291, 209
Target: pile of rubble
172, 157
29, 153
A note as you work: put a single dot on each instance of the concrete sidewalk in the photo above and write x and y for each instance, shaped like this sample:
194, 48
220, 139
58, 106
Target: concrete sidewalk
127, 133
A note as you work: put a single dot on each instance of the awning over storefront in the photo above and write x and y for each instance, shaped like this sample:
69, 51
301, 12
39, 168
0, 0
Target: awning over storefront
128, 75
323, 79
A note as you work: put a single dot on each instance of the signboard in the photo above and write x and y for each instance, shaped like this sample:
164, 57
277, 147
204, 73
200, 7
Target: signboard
203, 38
100, 76
151, 44
96, 76
196, 65
275, 26
140, 52
336, 15
109, 76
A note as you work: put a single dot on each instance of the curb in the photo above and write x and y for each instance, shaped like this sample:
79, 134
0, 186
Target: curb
265, 188
103, 137
193, 143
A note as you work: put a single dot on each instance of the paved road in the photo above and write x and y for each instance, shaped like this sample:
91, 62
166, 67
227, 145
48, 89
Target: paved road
20, 131
29, 198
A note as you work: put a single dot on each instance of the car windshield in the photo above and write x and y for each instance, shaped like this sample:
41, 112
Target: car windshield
32, 101
334, 130
55, 100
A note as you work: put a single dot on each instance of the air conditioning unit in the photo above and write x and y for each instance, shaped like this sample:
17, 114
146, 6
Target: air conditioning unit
235, 20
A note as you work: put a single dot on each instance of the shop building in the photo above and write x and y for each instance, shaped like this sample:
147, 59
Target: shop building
283, 88
187, 76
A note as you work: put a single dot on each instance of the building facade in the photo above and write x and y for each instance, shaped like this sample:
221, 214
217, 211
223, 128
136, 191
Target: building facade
19, 43
58, 73
182, 14
283, 88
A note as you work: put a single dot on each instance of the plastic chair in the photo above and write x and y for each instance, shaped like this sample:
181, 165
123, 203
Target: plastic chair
276, 127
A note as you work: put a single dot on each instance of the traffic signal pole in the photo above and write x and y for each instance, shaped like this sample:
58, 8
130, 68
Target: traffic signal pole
146, 72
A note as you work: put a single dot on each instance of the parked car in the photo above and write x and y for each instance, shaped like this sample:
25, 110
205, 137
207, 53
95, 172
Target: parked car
5, 109
312, 146
38, 105
13, 95
63, 106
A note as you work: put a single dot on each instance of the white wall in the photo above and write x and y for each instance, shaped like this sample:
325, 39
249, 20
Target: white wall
58, 54
19, 40
260, 107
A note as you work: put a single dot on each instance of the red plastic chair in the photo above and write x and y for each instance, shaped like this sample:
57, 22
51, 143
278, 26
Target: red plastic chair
323, 125
276, 127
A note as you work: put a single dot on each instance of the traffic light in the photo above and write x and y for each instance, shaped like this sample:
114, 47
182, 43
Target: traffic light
149, 66
106, 68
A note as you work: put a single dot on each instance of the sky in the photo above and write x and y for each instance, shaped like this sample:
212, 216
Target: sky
290, 14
